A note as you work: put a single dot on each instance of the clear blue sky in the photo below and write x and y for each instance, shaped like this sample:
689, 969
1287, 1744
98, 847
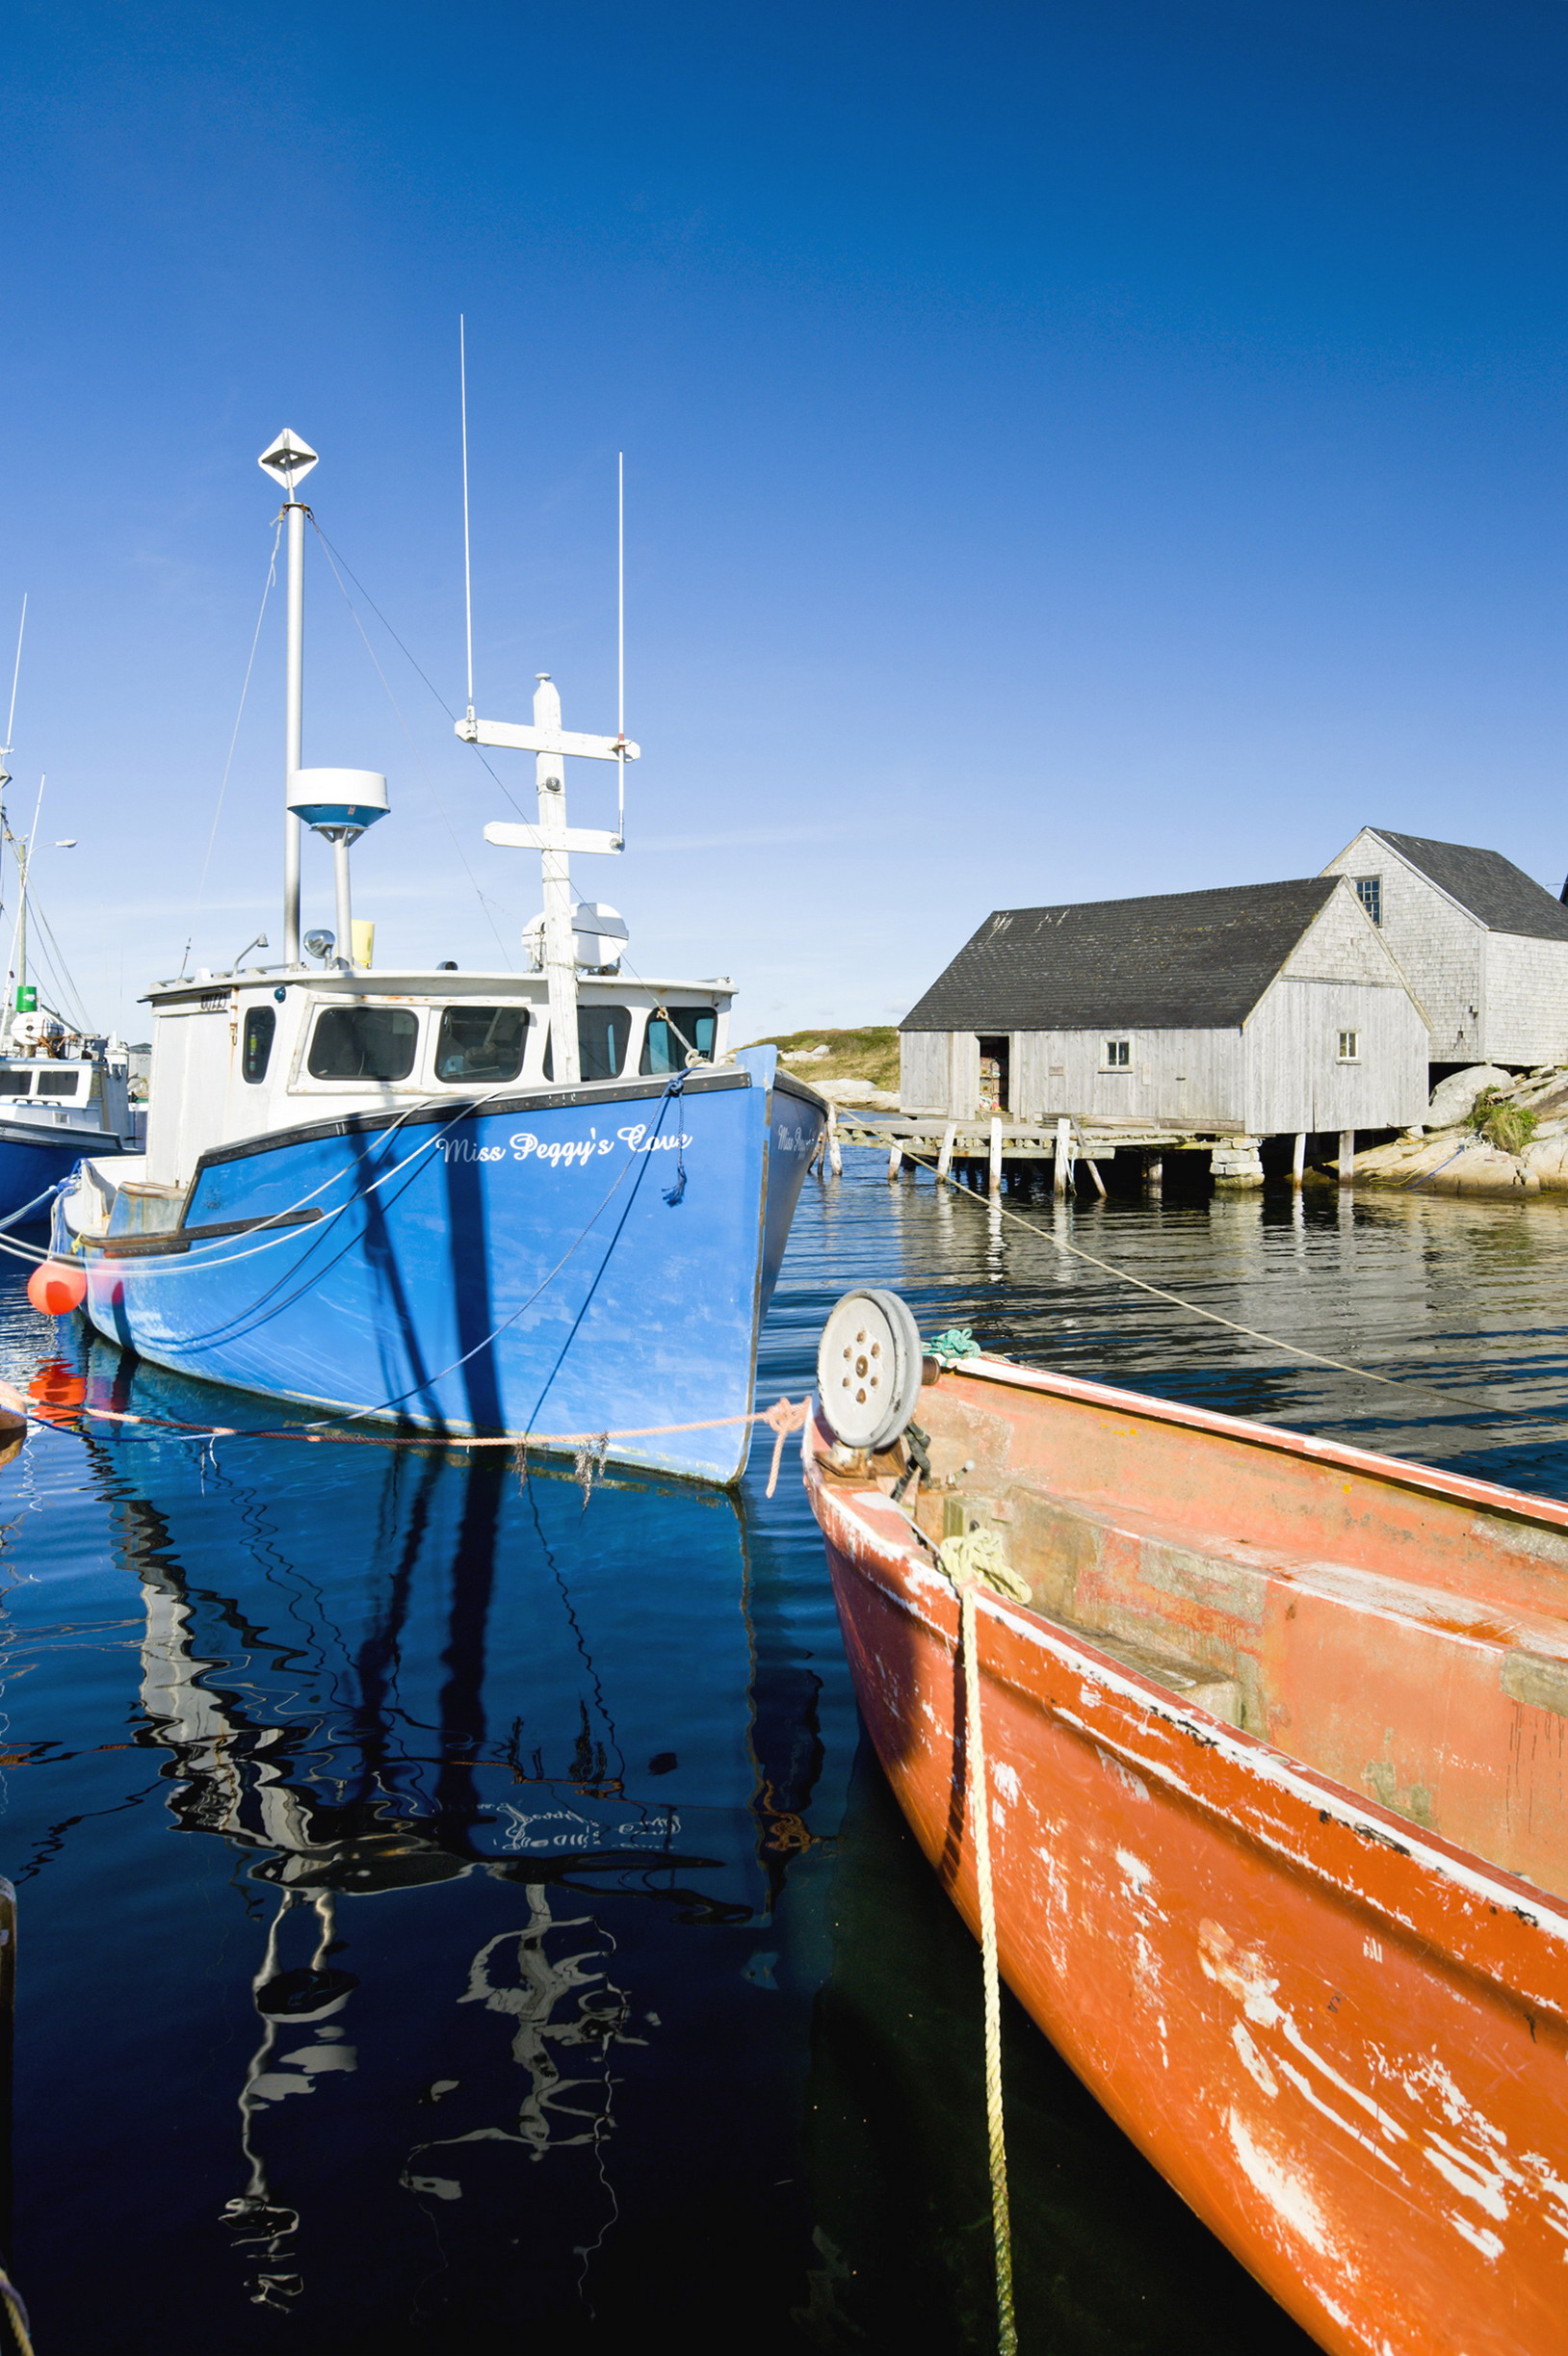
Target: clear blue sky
1073, 450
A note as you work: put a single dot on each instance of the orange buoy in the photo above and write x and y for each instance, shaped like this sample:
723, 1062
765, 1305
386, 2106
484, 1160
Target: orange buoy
56, 1288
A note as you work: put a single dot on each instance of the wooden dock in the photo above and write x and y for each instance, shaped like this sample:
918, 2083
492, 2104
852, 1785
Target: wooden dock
1016, 1153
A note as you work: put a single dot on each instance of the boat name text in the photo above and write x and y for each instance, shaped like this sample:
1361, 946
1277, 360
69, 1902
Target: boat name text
565, 1153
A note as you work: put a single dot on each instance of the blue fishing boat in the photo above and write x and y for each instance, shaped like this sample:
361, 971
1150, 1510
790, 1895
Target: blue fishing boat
549, 1205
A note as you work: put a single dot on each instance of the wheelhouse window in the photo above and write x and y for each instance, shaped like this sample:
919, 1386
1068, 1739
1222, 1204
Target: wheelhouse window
363, 1043
671, 1031
58, 1084
1118, 1056
481, 1043
1349, 1047
603, 1036
1370, 893
255, 1052
16, 1083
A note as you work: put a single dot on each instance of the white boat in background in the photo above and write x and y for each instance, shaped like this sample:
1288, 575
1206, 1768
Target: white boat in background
64, 1089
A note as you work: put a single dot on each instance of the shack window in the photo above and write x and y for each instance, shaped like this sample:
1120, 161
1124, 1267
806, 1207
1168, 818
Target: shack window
256, 1050
481, 1043
1370, 893
1118, 1055
603, 1036
363, 1043
15, 1084
1349, 1046
58, 1084
669, 1034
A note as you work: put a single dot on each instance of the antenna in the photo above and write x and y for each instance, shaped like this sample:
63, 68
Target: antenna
15, 677
621, 642
467, 562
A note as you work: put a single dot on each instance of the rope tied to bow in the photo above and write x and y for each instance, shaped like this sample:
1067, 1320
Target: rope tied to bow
978, 1557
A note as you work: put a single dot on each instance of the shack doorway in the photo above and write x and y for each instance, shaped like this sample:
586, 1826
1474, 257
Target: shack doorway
994, 1074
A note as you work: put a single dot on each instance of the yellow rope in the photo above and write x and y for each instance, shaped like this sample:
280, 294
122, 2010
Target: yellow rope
781, 1419
15, 2314
975, 1748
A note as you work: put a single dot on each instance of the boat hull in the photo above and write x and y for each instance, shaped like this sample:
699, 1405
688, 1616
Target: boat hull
593, 1262
1341, 2040
31, 1161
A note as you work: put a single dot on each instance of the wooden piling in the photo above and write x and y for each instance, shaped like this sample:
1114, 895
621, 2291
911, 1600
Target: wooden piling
1154, 1174
836, 1159
1299, 1160
944, 1159
895, 1163
996, 1155
1093, 1169
1065, 1147
1347, 1157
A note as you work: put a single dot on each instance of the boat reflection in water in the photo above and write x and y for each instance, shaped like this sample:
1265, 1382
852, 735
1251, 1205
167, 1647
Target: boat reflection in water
504, 1863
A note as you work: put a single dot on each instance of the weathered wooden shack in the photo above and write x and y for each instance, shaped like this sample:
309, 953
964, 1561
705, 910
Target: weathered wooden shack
1255, 1010
1482, 945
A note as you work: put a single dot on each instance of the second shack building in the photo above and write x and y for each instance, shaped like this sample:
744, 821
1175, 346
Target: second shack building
1248, 1011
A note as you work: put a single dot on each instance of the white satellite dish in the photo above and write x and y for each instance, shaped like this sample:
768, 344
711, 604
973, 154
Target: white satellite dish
599, 937
599, 934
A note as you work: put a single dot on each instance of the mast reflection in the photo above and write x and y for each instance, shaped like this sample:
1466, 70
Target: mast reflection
381, 1680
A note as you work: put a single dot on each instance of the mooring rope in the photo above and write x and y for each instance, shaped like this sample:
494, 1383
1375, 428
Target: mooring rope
782, 1418
966, 1565
17, 2315
1194, 1308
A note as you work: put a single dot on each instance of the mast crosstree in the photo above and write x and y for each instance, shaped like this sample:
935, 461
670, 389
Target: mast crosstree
554, 841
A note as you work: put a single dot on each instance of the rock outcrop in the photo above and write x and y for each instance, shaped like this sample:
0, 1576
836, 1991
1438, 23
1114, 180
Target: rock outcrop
1490, 1131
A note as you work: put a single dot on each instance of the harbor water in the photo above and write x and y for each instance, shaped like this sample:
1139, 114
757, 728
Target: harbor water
456, 1906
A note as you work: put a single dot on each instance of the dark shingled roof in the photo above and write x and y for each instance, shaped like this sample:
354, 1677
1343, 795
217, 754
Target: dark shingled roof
1490, 886
1182, 960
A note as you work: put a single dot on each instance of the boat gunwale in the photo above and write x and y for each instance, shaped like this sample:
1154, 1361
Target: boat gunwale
903, 1571
1395, 1472
699, 1081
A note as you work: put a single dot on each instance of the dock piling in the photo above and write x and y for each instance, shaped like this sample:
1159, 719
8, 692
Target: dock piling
1347, 1157
836, 1159
996, 1156
944, 1159
1299, 1160
1065, 1147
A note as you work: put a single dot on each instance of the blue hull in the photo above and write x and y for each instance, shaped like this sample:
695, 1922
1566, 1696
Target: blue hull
593, 1262
29, 1166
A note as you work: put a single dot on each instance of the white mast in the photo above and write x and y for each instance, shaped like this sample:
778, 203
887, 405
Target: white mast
551, 838
288, 461
554, 839
560, 948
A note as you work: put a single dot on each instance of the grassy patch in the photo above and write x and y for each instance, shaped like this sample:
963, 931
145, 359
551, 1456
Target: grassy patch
1509, 1127
869, 1054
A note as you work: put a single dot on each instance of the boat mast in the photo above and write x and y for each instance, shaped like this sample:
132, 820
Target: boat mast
288, 461
5, 827
293, 700
555, 867
551, 838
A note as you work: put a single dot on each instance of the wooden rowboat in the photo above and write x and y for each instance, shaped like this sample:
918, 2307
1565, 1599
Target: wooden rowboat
1276, 1757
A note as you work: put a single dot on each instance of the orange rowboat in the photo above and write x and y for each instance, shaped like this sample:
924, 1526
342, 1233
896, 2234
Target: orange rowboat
1276, 1758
